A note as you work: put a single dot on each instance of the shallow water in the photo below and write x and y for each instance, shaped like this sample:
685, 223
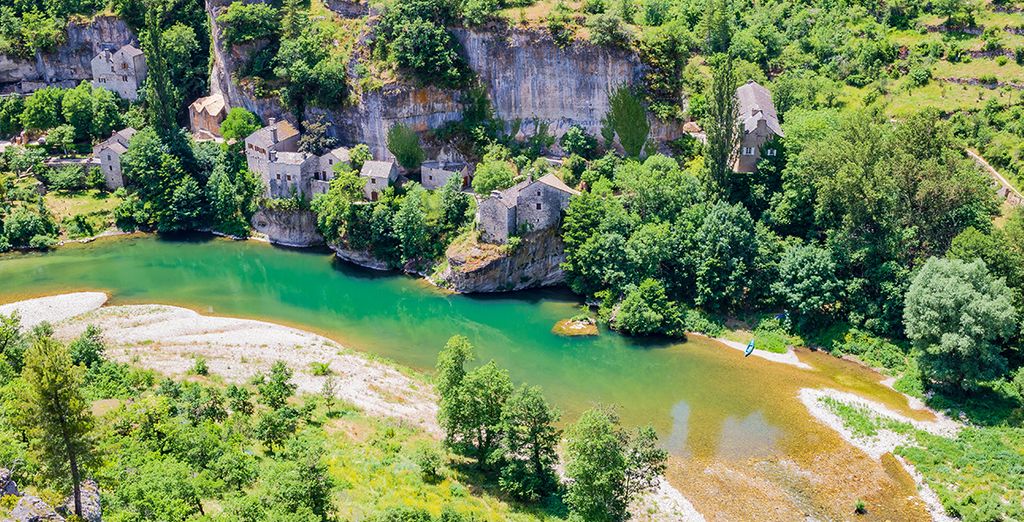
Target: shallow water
708, 402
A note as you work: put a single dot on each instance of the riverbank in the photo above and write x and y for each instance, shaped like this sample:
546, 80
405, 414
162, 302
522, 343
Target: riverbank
169, 339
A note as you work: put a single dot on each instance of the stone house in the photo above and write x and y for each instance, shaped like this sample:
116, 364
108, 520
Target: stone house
291, 174
205, 116
121, 71
278, 136
528, 206
434, 174
758, 122
378, 174
109, 155
325, 169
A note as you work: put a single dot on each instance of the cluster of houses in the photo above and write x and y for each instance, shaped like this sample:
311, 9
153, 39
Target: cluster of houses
273, 154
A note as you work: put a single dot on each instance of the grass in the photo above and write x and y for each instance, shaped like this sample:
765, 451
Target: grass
978, 475
97, 206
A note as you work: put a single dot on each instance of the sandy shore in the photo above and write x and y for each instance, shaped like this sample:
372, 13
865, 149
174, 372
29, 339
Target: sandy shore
167, 339
885, 441
785, 358
54, 308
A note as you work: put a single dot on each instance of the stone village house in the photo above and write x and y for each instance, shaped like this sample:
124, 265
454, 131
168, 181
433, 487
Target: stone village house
759, 124
121, 71
205, 116
109, 155
525, 207
434, 174
273, 154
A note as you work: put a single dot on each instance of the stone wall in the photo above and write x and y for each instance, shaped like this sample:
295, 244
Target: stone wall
69, 63
540, 206
475, 267
294, 228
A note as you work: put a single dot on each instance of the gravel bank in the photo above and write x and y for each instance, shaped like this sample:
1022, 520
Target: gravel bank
54, 308
785, 358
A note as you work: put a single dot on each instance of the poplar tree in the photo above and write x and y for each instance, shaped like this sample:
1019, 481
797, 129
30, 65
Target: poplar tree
722, 134
55, 413
161, 96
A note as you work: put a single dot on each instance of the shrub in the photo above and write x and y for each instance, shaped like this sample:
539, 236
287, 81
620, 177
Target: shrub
320, 369
430, 52
243, 22
577, 141
199, 366
67, 179
608, 29
430, 461
404, 143
558, 23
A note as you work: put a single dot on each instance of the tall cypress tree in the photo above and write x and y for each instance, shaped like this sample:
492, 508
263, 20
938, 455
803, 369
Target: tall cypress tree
55, 413
161, 96
721, 128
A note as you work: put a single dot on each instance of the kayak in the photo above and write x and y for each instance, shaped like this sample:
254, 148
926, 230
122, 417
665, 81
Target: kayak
750, 349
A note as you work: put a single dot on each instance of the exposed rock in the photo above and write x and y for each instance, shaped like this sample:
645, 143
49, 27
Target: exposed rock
33, 509
359, 257
68, 63
294, 228
482, 267
91, 509
7, 485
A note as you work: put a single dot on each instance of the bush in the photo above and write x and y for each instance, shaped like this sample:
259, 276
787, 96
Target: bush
244, 22
558, 22
430, 53
608, 29
430, 461
404, 143
577, 141
199, 366
67, 179
320, 369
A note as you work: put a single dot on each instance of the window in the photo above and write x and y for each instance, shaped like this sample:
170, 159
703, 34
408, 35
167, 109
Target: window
108, 157
279, 177
748, 151
330, 162
770, 152
373, 180
110, 168
289, 177
430, 178
538, 206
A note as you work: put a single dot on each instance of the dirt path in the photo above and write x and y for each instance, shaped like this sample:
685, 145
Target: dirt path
1007, 189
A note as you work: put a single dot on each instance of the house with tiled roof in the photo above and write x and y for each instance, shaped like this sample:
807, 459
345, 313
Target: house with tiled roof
108, 155
205, 116
758, 124
262, 148
379, 175
121, 71
528, 206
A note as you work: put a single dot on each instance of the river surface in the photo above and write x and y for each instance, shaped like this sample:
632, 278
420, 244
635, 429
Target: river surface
728, 420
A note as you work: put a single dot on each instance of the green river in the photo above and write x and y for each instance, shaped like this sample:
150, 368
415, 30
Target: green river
709, 404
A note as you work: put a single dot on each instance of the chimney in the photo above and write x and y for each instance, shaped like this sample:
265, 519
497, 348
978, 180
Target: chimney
273, 130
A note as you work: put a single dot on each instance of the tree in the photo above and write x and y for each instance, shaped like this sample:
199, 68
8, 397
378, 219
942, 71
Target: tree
718, 26
61, 137
493, 175
314, 138
244, 22
720, 125
726, 250
430, 52
807, 283
477, 423
334, 210
12, 344
56, 413
454, 204
404, 143
956, 314
577, 141
239, 123
528, 445
276, 388
161, 95
88, 349
187, 205
608, 467
77, 108
43, 109
607, 29
646, 310
411, 225
628, 117
106, 116
358, 155
11, 108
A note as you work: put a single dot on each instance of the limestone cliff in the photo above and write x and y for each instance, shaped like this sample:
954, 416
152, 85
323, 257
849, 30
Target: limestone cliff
475, 267
68, 63
294, 228
528, 78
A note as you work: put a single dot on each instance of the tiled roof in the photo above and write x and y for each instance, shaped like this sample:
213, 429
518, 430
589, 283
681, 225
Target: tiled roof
377, 169
212, 104
755, 104
261, 137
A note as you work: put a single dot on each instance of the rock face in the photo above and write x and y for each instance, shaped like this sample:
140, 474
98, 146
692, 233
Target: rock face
475, 267
527, 77
91, 509
7, 485
294, 228
360, 258
67, 64
33, 509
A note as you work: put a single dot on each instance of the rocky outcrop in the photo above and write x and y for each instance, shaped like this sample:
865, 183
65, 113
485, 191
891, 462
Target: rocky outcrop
7, 484
475, 267
293, 228
91, 509
528, 78
33, 509
67, 64
359, 257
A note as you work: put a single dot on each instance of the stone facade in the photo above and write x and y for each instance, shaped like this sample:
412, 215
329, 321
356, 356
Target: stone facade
291, 173
121, 71
379, 175
528, 206
205, 116
325, 170
434, 174
109, 155
264, 144
758, 122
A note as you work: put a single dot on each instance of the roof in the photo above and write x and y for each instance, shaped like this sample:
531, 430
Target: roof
755, 104
292, 158
116, 147
377, 169
553, 181
340, 153
212, 104
130, 50
261, 137
127, 133
450, 166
